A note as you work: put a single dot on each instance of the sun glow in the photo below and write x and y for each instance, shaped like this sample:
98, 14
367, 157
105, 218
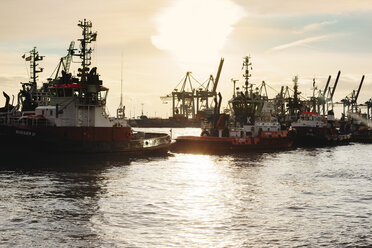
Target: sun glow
195, 31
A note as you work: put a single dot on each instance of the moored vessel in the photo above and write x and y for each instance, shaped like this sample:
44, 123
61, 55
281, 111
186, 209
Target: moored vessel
68, 114
313, 121
359, 121
312, 129
252, 125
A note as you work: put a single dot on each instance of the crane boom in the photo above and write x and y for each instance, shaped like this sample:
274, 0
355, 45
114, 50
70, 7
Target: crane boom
360, 86
68, 57
326, 87
218, 75
334, 87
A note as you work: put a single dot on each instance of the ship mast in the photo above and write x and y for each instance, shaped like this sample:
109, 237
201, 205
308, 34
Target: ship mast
120, 112
29, 90
246, 74
33, 58
85, 51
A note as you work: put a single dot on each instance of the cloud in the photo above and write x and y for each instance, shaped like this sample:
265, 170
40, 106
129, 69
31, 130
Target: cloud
11, 81
315, 26
302, 42
130, 27
270, 7
10, 85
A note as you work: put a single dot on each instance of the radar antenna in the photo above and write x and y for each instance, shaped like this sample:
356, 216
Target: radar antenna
246, 74
120, 112
33, 58
85, 52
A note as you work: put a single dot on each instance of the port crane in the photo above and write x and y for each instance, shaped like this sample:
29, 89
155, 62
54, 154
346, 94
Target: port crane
187, 100
331, 92
350, 101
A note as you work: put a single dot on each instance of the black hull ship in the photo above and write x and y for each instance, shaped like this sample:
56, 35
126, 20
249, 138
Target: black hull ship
312, 121
312, 129
81, 140
67, 114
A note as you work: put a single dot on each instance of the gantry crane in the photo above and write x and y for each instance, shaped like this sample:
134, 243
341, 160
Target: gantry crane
350, 102
187, 100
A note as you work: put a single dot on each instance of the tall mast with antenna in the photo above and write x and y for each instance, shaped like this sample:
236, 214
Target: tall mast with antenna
120, 112
33, 58
85, 50
246, 74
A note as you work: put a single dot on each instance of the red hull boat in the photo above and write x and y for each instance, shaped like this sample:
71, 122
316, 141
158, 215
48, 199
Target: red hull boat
251, 127
264, 142
68, 114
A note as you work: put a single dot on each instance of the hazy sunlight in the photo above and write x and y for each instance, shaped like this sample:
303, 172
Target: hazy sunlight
195, 31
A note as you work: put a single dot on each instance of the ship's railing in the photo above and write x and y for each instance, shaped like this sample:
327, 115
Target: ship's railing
23, 120
7, 117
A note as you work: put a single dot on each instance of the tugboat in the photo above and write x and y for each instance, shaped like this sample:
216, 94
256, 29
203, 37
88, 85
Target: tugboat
67, 114
360, 123
313, 129
252, 125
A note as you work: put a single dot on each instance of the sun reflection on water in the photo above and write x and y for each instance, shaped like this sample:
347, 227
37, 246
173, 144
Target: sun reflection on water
201, 203
245, 200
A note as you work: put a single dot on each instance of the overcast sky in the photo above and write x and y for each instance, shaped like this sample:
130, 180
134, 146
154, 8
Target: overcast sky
163, 39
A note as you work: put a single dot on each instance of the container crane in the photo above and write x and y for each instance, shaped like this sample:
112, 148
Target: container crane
218, 75
322, 100
351, 99
357, 95
203, 94
331, 92
187, 100
183, 104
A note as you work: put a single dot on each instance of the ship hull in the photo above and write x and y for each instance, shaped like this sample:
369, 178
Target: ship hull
81, 140
163, 123
207, 145
362, 138
312, 136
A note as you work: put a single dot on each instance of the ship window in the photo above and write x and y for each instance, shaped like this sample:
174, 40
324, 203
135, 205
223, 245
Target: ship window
76, 92
102, 95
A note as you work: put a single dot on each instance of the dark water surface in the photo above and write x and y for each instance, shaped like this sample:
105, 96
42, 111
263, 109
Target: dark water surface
303, 197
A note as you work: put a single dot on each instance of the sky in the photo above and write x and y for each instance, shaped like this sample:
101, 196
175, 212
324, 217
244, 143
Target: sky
160, 40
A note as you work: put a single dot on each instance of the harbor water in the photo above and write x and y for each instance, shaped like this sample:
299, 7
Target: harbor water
304, 197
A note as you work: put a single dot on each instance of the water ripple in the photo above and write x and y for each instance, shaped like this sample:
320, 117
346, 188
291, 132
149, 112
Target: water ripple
298, 198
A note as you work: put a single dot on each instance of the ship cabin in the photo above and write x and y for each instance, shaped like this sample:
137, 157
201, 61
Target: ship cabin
76, 104
252, 118
310, 119
87, 94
